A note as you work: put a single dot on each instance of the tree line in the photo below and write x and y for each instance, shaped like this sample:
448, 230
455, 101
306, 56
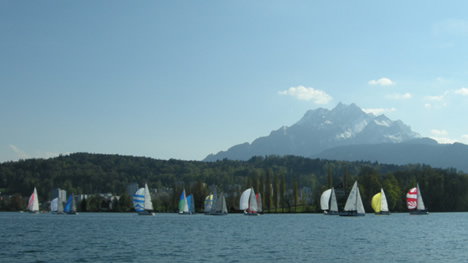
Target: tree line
287, 184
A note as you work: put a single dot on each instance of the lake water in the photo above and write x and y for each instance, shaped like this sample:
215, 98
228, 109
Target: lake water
111, 237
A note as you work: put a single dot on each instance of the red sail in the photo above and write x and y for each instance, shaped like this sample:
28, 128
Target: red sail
412, 198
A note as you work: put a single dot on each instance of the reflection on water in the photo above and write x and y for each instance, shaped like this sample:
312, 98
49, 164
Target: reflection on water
110, 237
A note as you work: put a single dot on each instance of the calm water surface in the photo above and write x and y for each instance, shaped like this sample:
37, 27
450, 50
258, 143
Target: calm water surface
109, 237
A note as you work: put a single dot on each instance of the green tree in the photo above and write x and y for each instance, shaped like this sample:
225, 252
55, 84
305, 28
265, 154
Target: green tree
329, 178
261, 189
125, 203
295, 192
282, 190
275, 192
267, 196
116, 205
392, 192
83, 205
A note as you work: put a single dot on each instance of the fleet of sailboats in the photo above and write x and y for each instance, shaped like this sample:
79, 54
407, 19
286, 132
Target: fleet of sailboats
415, 202
250, 203
354, 206
142, 202
379, 203
328, 202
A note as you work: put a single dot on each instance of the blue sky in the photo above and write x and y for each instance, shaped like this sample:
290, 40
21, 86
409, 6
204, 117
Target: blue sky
183, 79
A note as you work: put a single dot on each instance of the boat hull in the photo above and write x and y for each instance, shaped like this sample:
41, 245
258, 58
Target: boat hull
145, 213
186, 214
352, 213
382, 213
330, 213
419, 212
251, 214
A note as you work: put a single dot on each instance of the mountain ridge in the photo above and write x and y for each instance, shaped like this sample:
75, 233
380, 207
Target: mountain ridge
321, 129
348, 133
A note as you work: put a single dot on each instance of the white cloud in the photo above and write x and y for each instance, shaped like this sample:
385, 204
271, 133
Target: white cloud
381, 82
443, 140
405, 96
465, 137
307, 94
378, 111
439, 132
436, 102
463, 91
435, 98
19, 153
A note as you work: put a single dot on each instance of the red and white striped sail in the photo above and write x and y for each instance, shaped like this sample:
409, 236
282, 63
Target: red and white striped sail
412, 198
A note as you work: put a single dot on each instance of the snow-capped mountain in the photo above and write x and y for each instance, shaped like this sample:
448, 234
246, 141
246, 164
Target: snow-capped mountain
322, 129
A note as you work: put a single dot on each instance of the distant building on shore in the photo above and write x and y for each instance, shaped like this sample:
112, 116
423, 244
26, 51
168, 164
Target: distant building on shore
57, 192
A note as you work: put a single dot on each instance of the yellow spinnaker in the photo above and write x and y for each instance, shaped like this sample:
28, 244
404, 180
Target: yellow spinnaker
376, 202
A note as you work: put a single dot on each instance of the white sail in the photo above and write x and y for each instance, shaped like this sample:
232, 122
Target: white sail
383, 201
60, 205
221, 204
333, 203
148, 203
244, 199
359, 205
224, 209
420, 202
252, 202
215, 199
33, 204
354, 202
324, 199
73, 204
54, 205
183, 204
208, 203
352, 199
259, 203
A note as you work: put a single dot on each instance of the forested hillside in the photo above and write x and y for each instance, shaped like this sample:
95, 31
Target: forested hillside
289, 178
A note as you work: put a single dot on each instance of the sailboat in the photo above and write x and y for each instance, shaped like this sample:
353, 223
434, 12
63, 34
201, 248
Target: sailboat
183, 205
220, 208
328, 202
191, 204
142, 202
354, 206
379, 203
56, 206
259, 204
70, 206
208, 204
415, 202
248, 202
33, 204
